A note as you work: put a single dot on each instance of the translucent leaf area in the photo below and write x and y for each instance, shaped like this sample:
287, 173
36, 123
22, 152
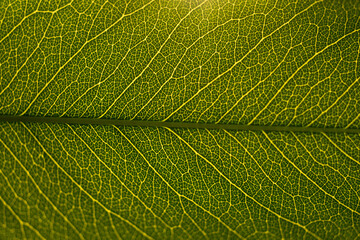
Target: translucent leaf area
264, 63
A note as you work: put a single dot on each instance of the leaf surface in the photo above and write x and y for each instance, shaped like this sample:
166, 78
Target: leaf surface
286, 73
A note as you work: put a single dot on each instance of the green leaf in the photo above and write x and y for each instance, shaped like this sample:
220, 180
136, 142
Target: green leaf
179, 119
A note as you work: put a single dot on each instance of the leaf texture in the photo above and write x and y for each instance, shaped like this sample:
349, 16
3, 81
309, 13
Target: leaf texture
250, 63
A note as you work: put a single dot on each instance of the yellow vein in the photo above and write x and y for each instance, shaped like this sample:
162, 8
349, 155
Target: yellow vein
335, 102
113, 227
116, 176
113, 174
22, 223
308, 93
78, 51
327, 165
28, 58
243, 57
151, 60
256, 85
183, 55
82, 189
305, 175
237, 187
191, 219
95, 85
39, 189
297, 70
254, 159
180, 195
33, 13
340, 149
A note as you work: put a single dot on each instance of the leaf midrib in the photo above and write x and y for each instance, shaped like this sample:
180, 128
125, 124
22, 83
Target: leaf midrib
143, 123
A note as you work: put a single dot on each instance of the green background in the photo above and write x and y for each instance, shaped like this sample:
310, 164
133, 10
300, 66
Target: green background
263, 63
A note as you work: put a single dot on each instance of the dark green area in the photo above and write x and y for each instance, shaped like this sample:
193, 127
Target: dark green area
139, 123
